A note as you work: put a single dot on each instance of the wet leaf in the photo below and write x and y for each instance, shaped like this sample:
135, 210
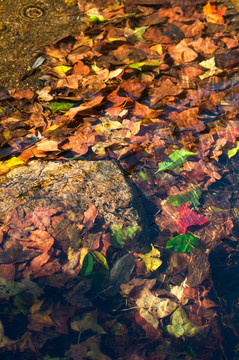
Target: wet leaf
101, 259
87, 322
214, 15
145, 65
120, 273
118, 235
188, 218
232, 152
152, 259
10, 164
62, 70
181, 326
211, 65
178, 157
60, 106
132, 231
88, 264
192, 197
183, 243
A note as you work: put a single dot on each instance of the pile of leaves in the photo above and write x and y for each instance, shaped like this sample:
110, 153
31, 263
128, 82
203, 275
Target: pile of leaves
152, 85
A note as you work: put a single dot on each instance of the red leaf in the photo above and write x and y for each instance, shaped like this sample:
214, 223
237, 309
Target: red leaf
188, 217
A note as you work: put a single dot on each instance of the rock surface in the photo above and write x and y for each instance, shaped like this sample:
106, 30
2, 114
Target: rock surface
69, 187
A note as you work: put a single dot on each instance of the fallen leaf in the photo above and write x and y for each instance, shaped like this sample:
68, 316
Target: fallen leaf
182, 53
183, 243
187, 218
214, 15
152, 259
87, 322
180, 325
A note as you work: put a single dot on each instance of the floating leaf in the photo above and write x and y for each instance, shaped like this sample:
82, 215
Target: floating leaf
183, 243
192, 197
233, 151
178, 157
60, 106
152, 259
101, 259
180, 325
87, 266
145, 64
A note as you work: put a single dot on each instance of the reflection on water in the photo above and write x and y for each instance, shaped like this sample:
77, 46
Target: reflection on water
25, 27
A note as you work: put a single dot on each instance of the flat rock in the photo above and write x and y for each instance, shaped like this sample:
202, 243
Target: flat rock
69, 187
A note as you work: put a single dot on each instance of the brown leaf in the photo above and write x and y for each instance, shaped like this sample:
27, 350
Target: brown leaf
39, 239
181, 53
89, 216
86, 106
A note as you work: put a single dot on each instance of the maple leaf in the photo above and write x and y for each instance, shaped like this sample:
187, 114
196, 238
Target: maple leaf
187, 218
214, 15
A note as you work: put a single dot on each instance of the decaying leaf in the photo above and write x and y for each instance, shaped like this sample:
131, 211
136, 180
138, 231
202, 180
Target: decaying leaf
180, 325
87, 322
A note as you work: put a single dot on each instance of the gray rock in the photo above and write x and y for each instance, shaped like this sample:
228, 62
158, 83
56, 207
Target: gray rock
69, 187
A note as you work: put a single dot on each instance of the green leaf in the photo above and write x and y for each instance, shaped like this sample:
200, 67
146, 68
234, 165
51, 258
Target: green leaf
23, 302
87, 266
60, 106
118, 236
145, 64
181, 325
192, 197
131, 231
101, 259
183, 243
178, 157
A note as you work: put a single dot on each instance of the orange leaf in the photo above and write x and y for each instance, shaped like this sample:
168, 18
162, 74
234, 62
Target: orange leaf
213, 15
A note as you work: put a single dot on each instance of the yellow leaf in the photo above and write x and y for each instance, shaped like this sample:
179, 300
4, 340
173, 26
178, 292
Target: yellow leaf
10, 164
36, 306
152, 259
52, 128
107, 126
83, 253
157, 48
233, 151
70, 253
211, 65
62, 69
102, 260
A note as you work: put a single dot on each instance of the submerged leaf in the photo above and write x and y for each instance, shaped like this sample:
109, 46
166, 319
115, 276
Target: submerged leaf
101, 259
233, 151
88, 264
118, 236
145, 65
183, 243
192, 197
178, 157
181, 325
152, 259
60, 106
87, 322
